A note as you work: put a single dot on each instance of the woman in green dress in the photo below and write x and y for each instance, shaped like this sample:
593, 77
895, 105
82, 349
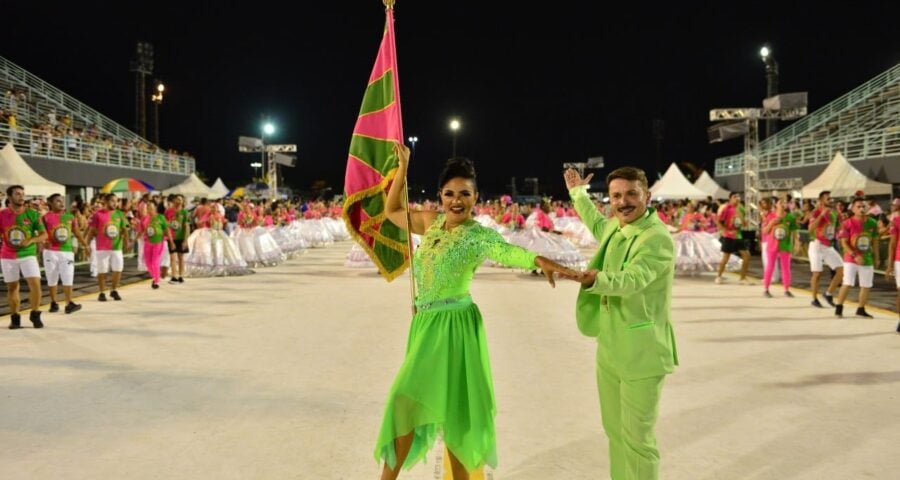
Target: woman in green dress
444, 385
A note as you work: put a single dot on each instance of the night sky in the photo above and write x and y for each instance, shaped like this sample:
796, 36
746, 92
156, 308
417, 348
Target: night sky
533, 87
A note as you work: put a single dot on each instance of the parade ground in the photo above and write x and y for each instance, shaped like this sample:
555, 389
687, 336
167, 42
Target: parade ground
283, 375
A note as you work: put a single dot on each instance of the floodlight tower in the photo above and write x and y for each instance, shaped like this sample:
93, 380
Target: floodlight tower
141, 65
735, 122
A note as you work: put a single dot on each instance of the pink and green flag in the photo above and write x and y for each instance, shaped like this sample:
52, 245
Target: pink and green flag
371, 164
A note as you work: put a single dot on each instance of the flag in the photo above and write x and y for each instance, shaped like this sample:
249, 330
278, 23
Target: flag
372, 164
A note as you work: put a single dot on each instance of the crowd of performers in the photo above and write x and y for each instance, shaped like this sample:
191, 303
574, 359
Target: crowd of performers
171, 239
844, 236
551, 229
709, 237
231, 237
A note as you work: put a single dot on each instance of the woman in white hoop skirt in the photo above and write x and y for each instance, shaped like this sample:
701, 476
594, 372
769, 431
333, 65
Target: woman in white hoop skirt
697, 250
254, 242
212, 253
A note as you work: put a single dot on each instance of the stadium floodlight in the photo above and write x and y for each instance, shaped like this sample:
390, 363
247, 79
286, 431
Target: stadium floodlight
454, 127
268, 128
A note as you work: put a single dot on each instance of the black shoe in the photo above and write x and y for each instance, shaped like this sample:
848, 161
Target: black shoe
829, 299
102, 297
787, 293
816, 303
35, 318
115, 295
173, 281
838, 310
180, 279
15, 321
154, 285
861, 312
72, 307
767, 294
54, 307
898, 328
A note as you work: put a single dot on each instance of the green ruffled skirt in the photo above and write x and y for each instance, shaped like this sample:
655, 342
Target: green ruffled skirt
444, 387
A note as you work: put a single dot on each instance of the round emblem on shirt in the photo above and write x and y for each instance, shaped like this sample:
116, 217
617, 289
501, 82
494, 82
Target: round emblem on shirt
61, 234
863, 243
737, 222
780, 233
111, 231
16, 236
151, 232
829, 232
174, 224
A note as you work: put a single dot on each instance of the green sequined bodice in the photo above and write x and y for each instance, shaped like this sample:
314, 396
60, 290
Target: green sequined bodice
446, 260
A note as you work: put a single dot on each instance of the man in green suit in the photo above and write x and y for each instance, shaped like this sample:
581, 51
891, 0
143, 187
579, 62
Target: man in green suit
624, 302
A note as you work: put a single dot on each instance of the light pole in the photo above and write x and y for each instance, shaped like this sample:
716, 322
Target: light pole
267, 129
454, 127
412, 141
771, 84
157, 99
256, 166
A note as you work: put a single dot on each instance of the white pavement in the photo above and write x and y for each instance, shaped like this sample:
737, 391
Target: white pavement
283, 374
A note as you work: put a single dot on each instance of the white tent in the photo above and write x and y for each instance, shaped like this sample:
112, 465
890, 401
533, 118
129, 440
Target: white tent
711, 187
843, 180
219, 189
191, 187
15, 171
673, 186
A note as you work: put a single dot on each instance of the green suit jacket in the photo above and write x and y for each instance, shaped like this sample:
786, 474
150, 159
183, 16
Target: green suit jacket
628, 307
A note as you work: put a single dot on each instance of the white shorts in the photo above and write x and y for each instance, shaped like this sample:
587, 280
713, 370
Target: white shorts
109, 260
866, 275
897, 273
27, 266
820, 254
59, 265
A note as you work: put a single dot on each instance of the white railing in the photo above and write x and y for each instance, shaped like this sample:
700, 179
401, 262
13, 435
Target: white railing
43, 89
97, 152
845, 102
854, 147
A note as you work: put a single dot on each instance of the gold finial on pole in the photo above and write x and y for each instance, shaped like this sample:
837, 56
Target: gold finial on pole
389, 4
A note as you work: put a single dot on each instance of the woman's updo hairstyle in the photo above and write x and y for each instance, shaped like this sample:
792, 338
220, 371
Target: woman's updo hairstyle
457, 167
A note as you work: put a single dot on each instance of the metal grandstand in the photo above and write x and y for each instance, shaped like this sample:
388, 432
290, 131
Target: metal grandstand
862, 124
85, 136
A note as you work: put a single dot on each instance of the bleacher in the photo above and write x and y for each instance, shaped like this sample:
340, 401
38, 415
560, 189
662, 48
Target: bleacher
85, 136
862, 124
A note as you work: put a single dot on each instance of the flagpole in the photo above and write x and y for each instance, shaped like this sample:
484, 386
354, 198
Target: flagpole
389, 5
409, 246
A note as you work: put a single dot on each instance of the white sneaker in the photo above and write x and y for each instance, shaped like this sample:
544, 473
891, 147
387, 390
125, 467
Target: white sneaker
745, 281
720, 280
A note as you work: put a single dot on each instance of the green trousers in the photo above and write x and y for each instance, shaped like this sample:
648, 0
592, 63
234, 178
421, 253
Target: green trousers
629, 409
